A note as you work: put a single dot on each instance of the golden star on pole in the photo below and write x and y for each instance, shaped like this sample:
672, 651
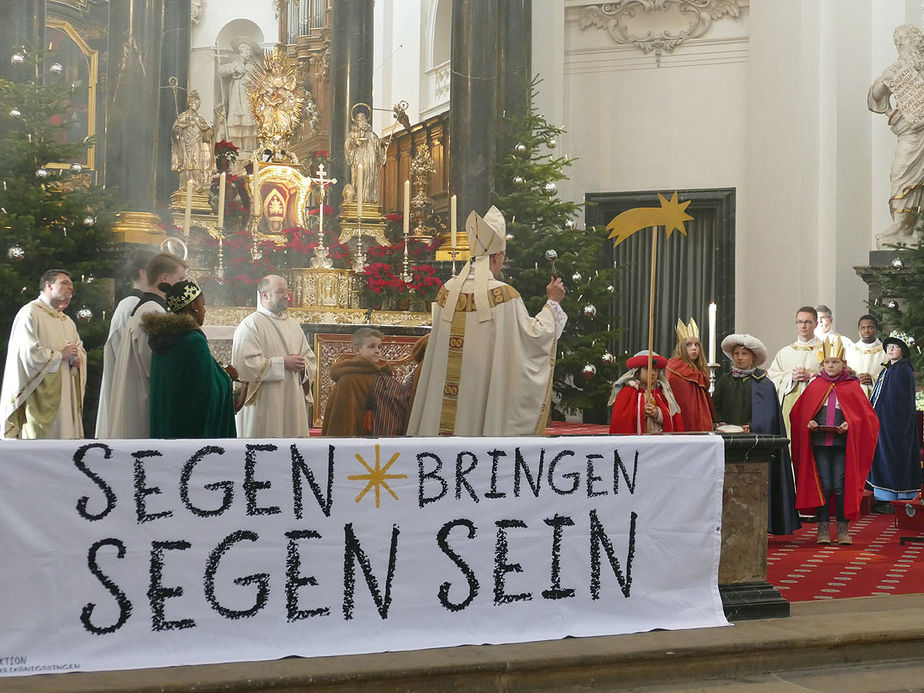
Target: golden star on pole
671, 215
377, 477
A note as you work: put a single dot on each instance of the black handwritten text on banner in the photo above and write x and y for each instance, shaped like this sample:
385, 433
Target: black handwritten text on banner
127, 554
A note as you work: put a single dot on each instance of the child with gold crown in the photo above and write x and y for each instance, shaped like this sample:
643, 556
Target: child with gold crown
689, 379
834, 432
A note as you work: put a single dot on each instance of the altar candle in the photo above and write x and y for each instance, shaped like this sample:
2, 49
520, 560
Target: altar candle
407, 207
221, 201
712, 333
188, 212
359, 191
452, 221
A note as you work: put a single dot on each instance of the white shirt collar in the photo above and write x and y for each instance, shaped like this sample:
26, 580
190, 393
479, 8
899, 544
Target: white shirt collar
266, 311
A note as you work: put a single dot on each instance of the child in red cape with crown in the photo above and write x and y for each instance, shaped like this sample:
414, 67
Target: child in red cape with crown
834, 433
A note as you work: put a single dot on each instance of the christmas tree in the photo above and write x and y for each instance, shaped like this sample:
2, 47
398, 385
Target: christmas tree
527, 174
52, 215
901, 303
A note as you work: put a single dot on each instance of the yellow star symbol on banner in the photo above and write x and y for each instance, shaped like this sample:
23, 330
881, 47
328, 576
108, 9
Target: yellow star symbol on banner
378, 477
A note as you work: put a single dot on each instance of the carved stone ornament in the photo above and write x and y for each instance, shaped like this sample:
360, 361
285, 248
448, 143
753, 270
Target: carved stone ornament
657, 26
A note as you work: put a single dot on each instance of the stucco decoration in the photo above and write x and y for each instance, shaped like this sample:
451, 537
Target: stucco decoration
657, 26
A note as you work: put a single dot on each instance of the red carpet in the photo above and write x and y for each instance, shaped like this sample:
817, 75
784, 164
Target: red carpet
875, 565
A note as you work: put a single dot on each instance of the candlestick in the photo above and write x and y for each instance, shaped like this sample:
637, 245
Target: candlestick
407, 207
221, 200
452, 222
188, 211
406, 274
712, 310
359, 191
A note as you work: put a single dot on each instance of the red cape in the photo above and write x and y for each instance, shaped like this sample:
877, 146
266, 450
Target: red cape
691, 390
629, 412
862, 434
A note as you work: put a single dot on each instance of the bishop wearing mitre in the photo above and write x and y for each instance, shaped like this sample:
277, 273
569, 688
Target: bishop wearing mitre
488, 366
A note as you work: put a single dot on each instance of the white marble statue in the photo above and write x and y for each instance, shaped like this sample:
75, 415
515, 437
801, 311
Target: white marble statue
241, 128
899, 94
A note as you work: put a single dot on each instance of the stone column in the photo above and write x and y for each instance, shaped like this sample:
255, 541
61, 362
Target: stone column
133, 83
514, 57
22, 24
473, 99
174, 64
350, 76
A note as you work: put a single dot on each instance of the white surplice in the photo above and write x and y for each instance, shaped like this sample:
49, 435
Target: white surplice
131, 379
798, 354
866, 358
487, 378
38, 334
276, 405
110, 354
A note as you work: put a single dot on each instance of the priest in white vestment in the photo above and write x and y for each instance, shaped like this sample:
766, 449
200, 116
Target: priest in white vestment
488, 366
131, 381
271, 354
866, 356
825, 329
794, 365
45, 374
137, 265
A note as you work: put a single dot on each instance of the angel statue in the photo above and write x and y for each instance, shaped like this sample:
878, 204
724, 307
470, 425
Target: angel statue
364, 148
903, 82
191, 148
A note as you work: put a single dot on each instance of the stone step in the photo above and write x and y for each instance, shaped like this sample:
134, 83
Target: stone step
840, 637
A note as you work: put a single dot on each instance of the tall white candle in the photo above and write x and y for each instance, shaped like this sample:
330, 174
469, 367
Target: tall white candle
359, 191
452, 222
187, 214
407, 207
221, 201
712, 309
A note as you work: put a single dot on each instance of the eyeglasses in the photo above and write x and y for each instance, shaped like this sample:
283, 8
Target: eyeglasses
804, 322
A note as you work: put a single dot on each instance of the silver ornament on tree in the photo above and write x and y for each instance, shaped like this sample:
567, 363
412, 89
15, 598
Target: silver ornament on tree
521, 148
610, 289
518, 180
89, 279
89, 221
590, 370
15, 113
41, 173
16, 252
56, 68
550, 188
569, 224
897, 264
893, 304
576, 277
590, 311
85, 314
608, 358
76, 168
17, 58
552, 143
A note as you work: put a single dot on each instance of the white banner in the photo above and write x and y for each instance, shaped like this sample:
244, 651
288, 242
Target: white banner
130, 554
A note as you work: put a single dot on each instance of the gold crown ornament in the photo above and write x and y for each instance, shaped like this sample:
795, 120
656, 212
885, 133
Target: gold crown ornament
685, 332
831, 349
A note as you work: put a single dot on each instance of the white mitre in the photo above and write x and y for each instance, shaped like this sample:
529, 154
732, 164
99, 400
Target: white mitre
486, 235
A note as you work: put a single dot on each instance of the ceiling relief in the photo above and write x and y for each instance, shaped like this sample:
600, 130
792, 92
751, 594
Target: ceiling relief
657, 26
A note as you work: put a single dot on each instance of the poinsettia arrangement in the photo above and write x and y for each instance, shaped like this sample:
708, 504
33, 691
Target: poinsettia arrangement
226, 150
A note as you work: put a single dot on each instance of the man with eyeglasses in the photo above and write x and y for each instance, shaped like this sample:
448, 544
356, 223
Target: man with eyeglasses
795, 364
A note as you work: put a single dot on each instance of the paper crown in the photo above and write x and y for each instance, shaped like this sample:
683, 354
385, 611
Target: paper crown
831, 349
684, 332
901, 339
488, 234
182, 294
